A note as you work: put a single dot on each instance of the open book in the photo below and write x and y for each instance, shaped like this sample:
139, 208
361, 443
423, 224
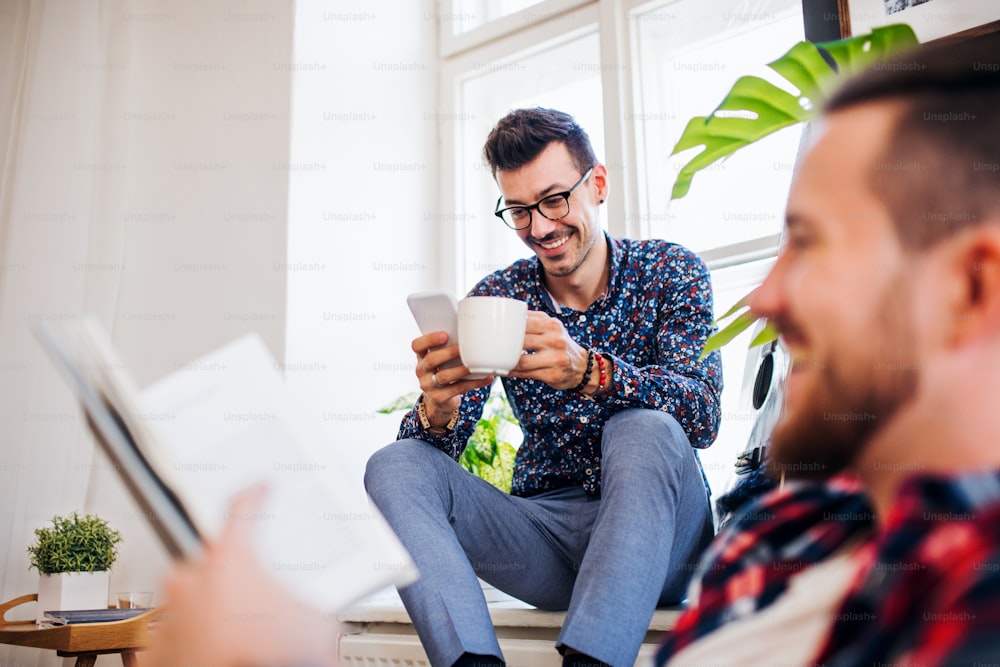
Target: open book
187, 444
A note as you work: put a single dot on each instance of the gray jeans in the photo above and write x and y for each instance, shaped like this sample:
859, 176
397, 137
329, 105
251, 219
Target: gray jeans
608, 560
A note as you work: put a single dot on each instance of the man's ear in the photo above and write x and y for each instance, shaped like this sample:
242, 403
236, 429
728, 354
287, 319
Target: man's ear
600, 179
975, 261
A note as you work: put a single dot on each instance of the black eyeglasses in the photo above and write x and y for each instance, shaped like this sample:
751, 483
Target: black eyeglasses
553, 207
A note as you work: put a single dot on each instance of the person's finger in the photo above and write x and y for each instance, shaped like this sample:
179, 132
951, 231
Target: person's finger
435, 359
422, 344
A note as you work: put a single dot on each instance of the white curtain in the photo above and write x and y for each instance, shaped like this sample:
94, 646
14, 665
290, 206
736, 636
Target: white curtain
140, 144
52, 149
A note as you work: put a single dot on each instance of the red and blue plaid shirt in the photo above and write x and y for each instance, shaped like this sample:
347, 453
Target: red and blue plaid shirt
927, 592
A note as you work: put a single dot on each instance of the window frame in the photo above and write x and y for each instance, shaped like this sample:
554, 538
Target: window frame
543, 26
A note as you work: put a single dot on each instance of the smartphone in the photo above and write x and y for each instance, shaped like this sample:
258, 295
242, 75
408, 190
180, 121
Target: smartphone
437, 310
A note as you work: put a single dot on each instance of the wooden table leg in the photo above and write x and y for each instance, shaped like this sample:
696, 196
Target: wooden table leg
129, 659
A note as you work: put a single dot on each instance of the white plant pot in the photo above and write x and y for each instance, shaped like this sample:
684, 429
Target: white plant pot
72, 590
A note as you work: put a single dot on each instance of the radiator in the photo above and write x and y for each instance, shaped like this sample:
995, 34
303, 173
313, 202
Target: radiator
366, 650
379, 634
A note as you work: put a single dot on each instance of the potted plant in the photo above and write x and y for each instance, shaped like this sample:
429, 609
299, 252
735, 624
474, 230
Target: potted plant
73, 557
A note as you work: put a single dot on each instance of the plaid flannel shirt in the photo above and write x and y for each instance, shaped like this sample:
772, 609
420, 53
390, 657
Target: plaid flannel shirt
928, 586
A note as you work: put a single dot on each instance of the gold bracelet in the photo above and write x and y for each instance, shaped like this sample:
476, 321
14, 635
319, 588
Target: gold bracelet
426, 422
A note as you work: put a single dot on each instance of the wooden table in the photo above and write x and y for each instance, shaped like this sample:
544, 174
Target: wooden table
83, 641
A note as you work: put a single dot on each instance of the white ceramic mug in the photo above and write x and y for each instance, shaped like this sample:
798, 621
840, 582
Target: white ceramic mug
491, 333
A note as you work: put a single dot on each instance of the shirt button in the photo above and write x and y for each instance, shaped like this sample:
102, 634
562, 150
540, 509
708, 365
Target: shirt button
581, 319
584, 420
588, 472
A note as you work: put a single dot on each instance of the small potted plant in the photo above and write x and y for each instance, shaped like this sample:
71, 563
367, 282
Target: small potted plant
73, 557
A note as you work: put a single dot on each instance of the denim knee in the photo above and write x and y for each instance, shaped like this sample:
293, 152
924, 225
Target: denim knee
645, 431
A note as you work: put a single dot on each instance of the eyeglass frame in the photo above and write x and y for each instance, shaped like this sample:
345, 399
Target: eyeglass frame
537, 205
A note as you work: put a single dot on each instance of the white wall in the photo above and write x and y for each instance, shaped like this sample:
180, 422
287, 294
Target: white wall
362, 220
156, 175
147, 182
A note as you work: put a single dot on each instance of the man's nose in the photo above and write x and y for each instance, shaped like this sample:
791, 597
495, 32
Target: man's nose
541, 226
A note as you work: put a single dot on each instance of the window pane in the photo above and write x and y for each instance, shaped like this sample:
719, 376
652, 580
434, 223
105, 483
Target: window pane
691, 52
470, 14
564, 77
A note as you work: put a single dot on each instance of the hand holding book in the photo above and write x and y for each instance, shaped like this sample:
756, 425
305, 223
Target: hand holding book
225, 610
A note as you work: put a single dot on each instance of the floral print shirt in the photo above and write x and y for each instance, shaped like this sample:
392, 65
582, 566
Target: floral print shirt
652, 322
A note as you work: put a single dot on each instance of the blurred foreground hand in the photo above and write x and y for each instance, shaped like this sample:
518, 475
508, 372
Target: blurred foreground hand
225, 610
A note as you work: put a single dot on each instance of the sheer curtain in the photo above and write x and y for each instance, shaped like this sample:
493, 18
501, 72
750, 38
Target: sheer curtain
145, 152
52, 153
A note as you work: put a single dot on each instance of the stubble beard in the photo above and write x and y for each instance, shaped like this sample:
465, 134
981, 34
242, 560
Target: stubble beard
584, 253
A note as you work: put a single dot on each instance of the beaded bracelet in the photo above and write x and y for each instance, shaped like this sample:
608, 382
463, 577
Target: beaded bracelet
586, 373
602, 368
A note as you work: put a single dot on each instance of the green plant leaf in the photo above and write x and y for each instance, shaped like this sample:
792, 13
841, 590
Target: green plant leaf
739, 305
404, 402
732, 330
768, 108
805, 68
486, 455
766, 335
722, 137
74, 544
855, 53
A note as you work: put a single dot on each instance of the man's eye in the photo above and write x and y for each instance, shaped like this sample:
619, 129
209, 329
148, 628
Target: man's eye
518, 213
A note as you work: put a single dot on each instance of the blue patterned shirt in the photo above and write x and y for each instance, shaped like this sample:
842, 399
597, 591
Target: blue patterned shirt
652, 322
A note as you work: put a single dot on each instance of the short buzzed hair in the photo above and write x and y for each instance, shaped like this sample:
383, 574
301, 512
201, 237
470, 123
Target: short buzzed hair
940, 169
521, 136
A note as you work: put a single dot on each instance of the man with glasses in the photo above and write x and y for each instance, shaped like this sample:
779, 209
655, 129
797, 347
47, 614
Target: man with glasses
609, 507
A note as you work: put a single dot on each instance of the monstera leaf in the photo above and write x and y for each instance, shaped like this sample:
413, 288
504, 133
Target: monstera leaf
755, 108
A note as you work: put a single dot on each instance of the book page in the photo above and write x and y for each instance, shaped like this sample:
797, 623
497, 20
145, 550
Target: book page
228, 420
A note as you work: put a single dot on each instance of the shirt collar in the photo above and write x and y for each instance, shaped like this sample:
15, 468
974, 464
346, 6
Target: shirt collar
929, 498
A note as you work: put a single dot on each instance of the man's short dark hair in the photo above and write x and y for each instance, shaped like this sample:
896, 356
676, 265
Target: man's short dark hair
940, 170
520, 136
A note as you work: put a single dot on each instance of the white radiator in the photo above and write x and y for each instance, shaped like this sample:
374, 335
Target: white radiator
379, 634
366, 650
376, 649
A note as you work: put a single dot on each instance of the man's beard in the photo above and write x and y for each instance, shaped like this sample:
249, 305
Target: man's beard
852, 398
554, 269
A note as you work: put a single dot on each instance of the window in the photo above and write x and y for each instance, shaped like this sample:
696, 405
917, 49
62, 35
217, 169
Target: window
471, 14
690, 53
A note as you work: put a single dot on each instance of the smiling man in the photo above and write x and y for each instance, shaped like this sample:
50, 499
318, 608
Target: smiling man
609, 507
887, 297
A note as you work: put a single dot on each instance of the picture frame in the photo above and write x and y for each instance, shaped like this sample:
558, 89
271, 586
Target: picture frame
930, 20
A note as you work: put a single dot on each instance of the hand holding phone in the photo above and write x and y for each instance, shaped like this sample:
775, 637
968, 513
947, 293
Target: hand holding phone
437, 310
